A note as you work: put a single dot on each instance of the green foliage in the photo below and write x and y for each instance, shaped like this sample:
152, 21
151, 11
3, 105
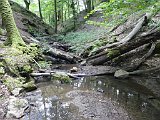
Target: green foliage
80, 40
44, 64
117, 11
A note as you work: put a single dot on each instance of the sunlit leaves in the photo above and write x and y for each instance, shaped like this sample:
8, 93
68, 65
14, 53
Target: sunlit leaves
117, 11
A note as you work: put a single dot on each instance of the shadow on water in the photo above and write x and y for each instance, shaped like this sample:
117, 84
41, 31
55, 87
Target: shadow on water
93, 98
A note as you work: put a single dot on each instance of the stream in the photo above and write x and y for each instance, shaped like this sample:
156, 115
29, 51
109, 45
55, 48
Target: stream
92, 98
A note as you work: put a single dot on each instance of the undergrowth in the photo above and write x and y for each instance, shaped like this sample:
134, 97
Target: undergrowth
81, 39
117, 12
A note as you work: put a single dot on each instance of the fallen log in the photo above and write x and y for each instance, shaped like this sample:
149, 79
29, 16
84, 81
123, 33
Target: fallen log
134, 63
148, 54
109, 54
135, 30
54, 52
124, 74
76, 76
83, 71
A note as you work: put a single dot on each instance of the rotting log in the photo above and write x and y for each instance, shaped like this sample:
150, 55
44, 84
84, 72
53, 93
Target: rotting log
62, 55
54, 52
148, 54
112, 53
135, 63
142, 21
82, 71
125, 74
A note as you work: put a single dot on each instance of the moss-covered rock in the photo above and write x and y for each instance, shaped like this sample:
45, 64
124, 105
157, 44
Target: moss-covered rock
20, 82
18, 61
13, 83
61, 76
29, 86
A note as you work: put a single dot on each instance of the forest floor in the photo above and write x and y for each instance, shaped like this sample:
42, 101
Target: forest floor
84, 42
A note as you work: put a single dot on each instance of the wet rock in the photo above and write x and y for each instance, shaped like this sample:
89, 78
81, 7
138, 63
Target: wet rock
99, 82
100, 90
74, 69
17, 91
121, 74
16, 107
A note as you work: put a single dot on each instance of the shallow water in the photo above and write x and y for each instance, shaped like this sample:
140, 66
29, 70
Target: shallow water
93, 98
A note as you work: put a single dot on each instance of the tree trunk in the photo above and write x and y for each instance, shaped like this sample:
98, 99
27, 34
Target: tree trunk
74, 14
89, 5
13, 34
55, 14
40, 11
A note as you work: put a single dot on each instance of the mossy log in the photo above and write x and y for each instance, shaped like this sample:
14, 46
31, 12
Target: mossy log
112, 53
142, 21
142, 52
54, 52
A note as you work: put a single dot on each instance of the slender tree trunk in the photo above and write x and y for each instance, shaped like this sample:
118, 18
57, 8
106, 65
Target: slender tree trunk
68, 9
40, 11
89, 7
13, 34
55, 14
92, 2
65, 16
74, 14
62, 13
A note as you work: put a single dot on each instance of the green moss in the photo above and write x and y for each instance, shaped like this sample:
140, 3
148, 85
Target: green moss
26, 69
112, 53
14, 38
1, 64
2, 32
44, 64
29, 86
19, 82
18, 61
12, 83
64, 78
18, 64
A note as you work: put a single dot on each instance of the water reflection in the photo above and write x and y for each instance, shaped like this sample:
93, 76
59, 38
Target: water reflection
50, 101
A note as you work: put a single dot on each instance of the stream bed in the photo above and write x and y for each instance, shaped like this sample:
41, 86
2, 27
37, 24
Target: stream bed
92, 98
